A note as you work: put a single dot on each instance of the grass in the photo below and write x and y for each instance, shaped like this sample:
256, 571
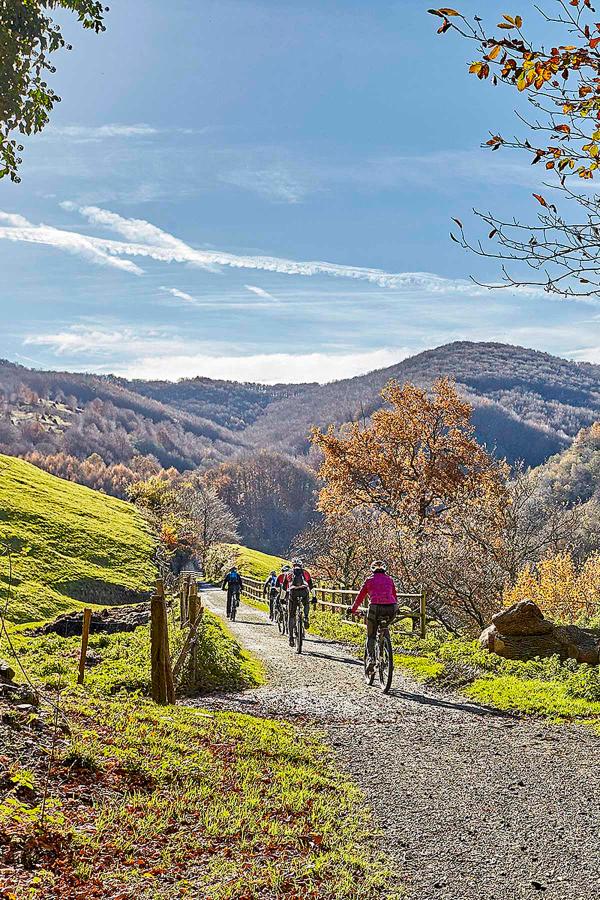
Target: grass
68, 543
52, 661
254, 563
170, 803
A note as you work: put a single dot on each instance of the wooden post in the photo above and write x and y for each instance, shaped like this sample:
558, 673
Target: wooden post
423, 613
185, 590
85, 633
163, 689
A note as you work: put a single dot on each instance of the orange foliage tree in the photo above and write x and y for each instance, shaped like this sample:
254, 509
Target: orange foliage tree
561, 81
417, 462
563, 588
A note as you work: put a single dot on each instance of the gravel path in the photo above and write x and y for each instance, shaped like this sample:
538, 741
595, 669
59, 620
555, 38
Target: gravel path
474, 804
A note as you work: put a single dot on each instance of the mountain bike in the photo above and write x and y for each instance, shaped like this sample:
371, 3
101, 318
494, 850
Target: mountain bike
384, 657
281, 615
299, 635
235, 602
298, 622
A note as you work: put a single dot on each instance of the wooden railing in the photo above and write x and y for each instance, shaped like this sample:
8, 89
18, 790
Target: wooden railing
412, 605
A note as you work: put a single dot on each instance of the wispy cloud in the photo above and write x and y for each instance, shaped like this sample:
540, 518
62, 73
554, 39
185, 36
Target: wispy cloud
98, 341
260, 292
151, 352
179, 295
100, 132
146, 240
273, 182
21, 230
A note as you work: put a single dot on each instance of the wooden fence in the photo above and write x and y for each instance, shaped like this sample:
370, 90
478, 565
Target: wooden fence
413, 605
189, 610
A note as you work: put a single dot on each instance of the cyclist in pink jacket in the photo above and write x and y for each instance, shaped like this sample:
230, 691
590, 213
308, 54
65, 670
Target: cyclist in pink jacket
381, 590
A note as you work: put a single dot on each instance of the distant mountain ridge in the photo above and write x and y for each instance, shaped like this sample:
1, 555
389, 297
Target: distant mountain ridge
527, 404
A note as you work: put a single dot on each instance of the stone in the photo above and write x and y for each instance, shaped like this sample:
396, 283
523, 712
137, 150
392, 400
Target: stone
108, 621
7, 673
522, 632
92, 658
524, 617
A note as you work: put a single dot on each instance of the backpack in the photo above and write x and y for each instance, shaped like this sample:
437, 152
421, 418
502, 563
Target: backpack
298, 579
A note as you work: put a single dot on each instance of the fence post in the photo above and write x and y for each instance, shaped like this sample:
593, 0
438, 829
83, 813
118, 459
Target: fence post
163, 689
85, 633
423, 613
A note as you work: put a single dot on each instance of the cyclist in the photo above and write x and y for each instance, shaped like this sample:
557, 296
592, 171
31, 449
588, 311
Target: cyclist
270, 588
234, 585
280, 584
381, 590
298, 584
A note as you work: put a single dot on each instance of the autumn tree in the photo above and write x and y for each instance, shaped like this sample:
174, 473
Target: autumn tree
559, 248
28, 39
417, 461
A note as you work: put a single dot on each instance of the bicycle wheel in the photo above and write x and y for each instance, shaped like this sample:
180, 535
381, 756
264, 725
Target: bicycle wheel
299, 628
234, 605
284, 615
385, 661
369, 677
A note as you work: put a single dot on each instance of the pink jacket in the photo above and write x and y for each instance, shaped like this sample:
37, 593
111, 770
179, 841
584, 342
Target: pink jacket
380, 588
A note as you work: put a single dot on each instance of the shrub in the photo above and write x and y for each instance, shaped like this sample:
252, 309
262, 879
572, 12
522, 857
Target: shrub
563, 590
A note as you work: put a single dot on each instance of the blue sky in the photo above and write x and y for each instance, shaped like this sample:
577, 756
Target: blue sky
263, 191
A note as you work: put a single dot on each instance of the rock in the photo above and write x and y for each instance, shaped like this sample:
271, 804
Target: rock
7, 673
522, 618
19, 693
522, 632
107, 621
92, 658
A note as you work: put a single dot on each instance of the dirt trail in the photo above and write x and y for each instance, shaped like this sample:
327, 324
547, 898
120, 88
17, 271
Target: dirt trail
474, 804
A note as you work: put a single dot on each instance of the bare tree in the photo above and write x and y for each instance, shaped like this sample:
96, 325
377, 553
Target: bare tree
206, 519
557, 252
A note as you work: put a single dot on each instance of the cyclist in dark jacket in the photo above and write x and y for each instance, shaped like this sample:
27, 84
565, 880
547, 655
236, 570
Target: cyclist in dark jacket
299, 585
234, 585
271, 590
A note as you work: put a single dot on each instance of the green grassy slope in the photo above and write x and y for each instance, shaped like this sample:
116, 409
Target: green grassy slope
68, 544
254, 563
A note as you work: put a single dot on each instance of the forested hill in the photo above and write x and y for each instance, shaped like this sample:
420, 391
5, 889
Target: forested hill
527, 405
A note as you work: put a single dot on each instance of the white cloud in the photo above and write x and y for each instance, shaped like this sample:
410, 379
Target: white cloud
99, 132
273, 182
268, 368
20, 230
180, 295
101, 341
260, 292
149, 241
162, 353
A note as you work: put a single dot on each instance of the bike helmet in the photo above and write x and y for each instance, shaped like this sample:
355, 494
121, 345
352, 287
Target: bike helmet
297, 562
273, 572
285, 568
378, 566
233, 569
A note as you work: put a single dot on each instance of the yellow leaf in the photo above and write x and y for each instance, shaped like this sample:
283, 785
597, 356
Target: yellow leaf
494, 52
449, 12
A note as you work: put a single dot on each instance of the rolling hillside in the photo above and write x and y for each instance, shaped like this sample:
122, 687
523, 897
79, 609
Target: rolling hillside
527, 405
68, 545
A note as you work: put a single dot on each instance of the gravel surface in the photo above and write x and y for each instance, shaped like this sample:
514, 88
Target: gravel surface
473, 803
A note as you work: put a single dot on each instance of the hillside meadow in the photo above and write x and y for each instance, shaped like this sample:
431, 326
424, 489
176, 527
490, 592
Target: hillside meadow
68, 544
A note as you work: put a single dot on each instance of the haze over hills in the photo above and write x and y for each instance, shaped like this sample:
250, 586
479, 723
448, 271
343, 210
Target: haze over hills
527, 405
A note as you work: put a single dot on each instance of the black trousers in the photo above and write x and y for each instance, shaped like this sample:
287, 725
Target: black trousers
231, 593
272, 598
297, 595
375, 614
